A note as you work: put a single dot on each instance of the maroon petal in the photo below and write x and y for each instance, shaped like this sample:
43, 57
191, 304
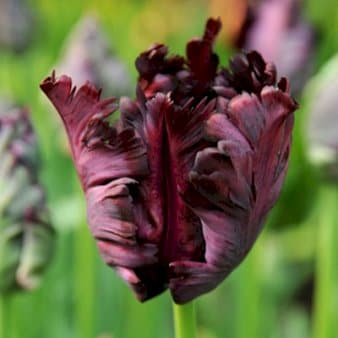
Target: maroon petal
273, 149
109, 162
240, 179
154, 61
173, 136
202, 60
248, 72
191, 279
94, 142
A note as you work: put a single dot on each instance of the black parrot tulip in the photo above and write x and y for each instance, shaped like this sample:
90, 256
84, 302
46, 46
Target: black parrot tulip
178, 188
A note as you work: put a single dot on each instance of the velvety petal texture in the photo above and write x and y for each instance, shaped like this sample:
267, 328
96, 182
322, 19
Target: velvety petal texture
178, 188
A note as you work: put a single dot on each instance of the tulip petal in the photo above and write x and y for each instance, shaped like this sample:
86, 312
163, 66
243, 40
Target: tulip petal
223, 174
202, 60
191, 279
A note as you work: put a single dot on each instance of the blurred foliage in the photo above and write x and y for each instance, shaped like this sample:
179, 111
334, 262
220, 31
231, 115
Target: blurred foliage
269, 295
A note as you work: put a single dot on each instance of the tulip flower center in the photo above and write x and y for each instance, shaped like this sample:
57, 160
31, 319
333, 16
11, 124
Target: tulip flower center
170, 159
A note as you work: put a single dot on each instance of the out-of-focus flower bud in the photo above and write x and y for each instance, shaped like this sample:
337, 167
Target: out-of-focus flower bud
16, 23
277, 30
178, 189
26, 236
87, 57
322, 104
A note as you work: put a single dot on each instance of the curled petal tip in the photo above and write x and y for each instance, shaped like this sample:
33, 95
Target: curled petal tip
212, 28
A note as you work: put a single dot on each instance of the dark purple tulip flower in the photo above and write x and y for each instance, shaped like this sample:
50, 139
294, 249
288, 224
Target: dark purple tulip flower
177, 190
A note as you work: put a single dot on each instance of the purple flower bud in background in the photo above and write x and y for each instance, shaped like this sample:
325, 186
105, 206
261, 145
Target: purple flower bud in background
87, 57
16, 23
276, 29
178, 189
26, 236
322, 103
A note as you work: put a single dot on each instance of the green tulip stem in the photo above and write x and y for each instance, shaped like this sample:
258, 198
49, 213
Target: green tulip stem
326, 264
185, 320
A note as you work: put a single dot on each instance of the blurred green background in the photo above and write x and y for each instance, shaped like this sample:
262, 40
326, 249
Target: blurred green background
272, 294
